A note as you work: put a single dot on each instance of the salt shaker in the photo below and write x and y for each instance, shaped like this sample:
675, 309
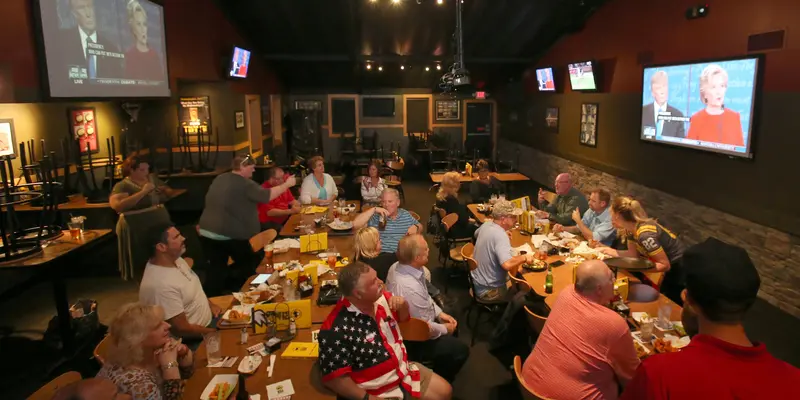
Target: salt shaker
244, 336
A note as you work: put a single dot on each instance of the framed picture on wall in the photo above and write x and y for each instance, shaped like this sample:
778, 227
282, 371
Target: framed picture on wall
8, 140
266, 112
588, 136
311, 105
239, 116
551, 119
448, 110
83, 127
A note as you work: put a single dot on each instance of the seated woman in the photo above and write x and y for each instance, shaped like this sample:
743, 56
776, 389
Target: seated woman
372, 185
647, 238
447, 199
319, 187
143, 360
485, 186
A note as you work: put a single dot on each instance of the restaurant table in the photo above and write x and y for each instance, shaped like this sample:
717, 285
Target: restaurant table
79, 202
54, 257
290, 228
479, 216
299, 371
501, 176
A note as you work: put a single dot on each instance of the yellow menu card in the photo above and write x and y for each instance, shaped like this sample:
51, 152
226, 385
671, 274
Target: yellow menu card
313, 242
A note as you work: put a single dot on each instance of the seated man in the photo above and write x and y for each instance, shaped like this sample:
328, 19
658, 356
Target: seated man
569, 198
721, 362
169, 282
406, 278
585, 349
398, 222
596, 222
274, 214
361, 352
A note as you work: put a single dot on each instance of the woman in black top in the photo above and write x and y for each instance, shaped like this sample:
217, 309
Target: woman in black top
447, 199
485, 186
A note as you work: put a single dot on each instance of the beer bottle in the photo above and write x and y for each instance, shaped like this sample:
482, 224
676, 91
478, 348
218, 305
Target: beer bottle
242, 393
548, 283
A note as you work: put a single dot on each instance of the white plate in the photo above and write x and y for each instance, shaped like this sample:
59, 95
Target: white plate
250, 364
231, 379
341, 226
324, 256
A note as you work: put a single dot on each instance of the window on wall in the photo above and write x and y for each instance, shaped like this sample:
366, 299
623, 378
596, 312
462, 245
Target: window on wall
417, 115
343, 116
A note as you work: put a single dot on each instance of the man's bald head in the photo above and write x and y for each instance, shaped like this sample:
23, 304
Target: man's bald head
563, 183
594, 281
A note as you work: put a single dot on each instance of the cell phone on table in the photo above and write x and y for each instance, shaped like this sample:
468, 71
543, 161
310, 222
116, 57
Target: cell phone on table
556, 263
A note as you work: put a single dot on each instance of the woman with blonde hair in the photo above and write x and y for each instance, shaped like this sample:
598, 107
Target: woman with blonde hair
485, 186
143, 360
372, 185
318, 187
368, 250
649, 239
141, 61
715, 123
447, 199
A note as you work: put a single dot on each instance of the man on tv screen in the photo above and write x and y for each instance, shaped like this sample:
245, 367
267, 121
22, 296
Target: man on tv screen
653, 114
80, 42
545, 79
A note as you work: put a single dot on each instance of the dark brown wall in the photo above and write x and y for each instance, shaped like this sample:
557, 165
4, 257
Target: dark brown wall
763, 190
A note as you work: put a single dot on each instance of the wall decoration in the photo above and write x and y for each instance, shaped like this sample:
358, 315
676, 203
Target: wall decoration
589, 124
239, 115
266, 113
83, 127
194, 116
8, 140
551, 119
448, 110
311, 105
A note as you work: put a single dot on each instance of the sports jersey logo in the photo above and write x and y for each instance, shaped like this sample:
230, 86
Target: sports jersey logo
650, 244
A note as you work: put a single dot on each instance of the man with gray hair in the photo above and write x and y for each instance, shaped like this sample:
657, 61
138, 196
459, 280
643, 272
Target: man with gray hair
406, 278
585, 349
658, 115
568, 198
392, 221
361, 351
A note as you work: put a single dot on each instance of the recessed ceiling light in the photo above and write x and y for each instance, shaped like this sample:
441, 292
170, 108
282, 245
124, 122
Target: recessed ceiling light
402, 67
427, 68
369, 66
438, 67
439, 1
380, 68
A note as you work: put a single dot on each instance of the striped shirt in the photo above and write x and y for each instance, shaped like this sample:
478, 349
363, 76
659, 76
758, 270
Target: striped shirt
368, 350
395, 230
582, 352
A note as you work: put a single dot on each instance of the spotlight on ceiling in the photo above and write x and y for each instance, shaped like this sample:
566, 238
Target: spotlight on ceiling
395, 1
369, 67
402, 67
427, 68
438, 67
380, 68
373, 1
439, 2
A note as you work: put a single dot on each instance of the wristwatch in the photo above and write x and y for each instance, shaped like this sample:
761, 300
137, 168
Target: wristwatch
171, 364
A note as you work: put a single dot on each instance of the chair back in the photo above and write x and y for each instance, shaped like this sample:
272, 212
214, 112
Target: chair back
101, 350
527, 392
468, 251
49, 390
262, 239
535, 321
520, 283
414, 215
449, 220
415, 330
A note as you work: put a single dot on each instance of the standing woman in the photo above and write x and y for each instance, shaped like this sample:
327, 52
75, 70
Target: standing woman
229, 220
138, 199
648, 239
318, 186
372, 185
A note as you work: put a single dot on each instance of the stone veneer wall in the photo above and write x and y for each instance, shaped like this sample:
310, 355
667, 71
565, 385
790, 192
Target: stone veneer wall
776, 254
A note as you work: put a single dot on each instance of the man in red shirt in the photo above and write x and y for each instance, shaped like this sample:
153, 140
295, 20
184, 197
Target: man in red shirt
720, 362
274, 214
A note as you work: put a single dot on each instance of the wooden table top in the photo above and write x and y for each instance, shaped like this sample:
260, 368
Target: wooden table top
78, 202
479, 216
191, 174
58, 248
298, 370
502, 177
290, 227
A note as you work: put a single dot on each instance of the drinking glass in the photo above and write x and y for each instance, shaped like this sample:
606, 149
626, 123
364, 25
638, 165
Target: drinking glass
646, 326
332, 258
269, 250
664, 315
75, 229
213, 342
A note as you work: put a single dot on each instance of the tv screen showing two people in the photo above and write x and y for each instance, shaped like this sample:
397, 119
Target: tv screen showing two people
239, 63
706, 105
104, 48
544, 76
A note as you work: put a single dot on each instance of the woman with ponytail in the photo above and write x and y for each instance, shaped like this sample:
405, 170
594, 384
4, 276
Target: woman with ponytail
647, 238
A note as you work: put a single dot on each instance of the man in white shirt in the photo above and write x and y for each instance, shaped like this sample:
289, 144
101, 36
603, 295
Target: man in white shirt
407, 279
169, 282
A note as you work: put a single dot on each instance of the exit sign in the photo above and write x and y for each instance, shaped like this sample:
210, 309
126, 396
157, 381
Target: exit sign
480, 95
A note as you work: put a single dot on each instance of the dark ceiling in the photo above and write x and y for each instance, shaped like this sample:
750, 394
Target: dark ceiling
328, 43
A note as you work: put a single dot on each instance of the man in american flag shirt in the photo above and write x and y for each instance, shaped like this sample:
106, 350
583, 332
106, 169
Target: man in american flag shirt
361, 351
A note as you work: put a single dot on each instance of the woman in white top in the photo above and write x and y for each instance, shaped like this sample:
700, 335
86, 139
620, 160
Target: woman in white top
372, 185
318, 188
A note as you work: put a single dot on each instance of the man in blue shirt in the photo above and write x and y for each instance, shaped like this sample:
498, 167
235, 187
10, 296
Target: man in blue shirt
596, 222
398, 222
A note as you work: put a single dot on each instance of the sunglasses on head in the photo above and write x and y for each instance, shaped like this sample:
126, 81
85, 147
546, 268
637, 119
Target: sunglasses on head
248, 160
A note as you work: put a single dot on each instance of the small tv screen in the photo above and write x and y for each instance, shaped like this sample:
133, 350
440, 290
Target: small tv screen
706, 105
377, 106
109, 48
240, 62
581, 76
544, 77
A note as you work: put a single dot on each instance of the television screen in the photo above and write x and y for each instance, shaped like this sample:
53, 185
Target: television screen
544, 77
240, 61
581, 76
707, 105
104, 48
377, 106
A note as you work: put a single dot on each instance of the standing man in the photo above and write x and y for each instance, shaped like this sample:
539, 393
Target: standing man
274, 214
78, 43
659, 87
567, 200
596, 221
406, 278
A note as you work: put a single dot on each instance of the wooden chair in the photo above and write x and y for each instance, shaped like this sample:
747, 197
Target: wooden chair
520, 283
450, 247
393, 175
490, 306
101, 350
527, 392
415, 330
48, 391
535, 321
414, 215
262, 239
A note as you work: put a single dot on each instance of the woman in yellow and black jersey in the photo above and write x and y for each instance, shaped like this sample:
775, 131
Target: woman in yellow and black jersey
647, 238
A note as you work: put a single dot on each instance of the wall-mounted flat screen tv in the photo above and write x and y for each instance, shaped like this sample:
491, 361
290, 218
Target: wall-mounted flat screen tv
103, 48
545, 80
704, 105
582, 76
240, 62
378, 107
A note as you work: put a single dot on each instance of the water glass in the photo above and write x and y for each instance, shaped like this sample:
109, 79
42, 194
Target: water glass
213, 342
646, 326
664, 316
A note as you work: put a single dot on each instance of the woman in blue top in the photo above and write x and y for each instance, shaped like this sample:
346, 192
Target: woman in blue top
318, 188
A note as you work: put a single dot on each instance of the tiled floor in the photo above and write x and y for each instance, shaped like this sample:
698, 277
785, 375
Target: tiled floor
483, 377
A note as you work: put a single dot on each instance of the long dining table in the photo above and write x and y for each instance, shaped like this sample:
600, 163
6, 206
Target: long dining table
294, 226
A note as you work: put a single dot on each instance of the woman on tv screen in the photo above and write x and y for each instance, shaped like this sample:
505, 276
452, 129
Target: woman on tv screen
141, 62
715, 123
